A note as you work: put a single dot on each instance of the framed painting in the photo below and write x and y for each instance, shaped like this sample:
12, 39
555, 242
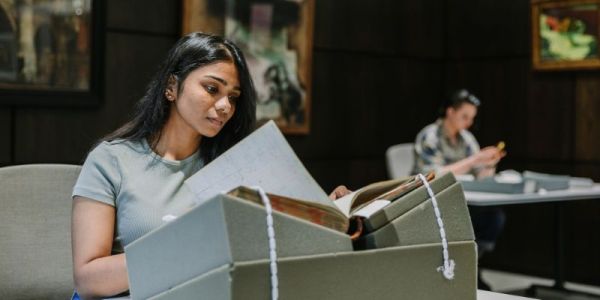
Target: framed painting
276, 38
565, 34
50, 52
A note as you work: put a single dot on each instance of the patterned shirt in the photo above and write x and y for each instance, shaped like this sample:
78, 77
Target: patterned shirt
434, 149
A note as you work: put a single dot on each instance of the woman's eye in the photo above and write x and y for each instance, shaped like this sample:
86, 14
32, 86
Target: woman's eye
211, 89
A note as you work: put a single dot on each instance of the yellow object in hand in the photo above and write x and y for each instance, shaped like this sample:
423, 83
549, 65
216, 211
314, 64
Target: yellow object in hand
501, 145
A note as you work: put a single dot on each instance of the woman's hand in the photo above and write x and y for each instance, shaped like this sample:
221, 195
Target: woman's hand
488, 157
339, 192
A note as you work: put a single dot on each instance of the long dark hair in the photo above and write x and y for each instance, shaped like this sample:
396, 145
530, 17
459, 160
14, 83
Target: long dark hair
457, 99
189, 53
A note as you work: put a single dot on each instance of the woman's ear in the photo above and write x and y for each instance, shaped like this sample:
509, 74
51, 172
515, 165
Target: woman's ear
449, 111
171, 90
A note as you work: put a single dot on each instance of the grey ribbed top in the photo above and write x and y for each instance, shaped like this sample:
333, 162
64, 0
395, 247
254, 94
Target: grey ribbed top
141, 185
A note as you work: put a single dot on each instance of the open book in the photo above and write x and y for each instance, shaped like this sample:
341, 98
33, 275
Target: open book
359, 204
265, 159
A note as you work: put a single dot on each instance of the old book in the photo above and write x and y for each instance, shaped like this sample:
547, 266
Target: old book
360, 204
265, 159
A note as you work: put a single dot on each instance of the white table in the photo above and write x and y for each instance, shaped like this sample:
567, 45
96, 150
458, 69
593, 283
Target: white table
485, 295
488, 199
481, 295
558, 197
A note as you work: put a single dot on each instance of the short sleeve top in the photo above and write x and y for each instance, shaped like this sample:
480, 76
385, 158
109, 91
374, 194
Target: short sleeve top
434, 150
141, 185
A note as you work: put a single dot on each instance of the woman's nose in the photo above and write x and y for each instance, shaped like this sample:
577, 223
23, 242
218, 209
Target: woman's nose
223, 105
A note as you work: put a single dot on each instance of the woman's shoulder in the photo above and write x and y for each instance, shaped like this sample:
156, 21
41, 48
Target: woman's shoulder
120, 145
429, 134
116, 148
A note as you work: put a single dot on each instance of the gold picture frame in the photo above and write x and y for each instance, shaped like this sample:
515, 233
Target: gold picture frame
276, 37
565, 34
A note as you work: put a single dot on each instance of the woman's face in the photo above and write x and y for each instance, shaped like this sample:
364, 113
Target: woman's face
461, 117
207, 98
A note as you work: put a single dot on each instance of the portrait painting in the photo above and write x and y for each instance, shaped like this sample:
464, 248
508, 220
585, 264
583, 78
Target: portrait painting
276, 38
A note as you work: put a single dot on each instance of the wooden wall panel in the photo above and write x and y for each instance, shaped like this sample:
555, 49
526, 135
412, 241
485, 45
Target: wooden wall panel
582, 242
362, 104
550, 117
149, 16
5, 136
587, 124
587, 169
353, 173
65, 135
487, 28
412, 28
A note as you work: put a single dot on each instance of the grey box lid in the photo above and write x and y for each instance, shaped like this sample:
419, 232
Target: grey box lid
222, 230
549, 182
419, 225
407, 202
408, 272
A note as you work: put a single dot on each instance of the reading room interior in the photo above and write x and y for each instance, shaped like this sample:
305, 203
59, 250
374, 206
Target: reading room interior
299, 149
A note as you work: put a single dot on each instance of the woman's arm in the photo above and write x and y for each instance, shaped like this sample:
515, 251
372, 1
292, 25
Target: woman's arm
460, 167
486, 158
96, 272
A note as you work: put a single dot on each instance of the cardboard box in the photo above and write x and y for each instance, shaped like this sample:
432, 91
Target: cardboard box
221, 231
407, 202
408, 272
419, 225
219, 250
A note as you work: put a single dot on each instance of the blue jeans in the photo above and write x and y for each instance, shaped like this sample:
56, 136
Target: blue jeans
75, 296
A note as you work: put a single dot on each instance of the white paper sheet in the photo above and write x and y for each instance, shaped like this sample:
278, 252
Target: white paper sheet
264, 159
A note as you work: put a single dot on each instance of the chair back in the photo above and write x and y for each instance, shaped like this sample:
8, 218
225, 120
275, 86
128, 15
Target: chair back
400, 160
35, 231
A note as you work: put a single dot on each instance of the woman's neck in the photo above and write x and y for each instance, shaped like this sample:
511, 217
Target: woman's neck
450, 130
176, 143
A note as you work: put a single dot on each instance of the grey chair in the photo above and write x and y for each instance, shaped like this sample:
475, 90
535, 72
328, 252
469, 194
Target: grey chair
400, 160
35, 231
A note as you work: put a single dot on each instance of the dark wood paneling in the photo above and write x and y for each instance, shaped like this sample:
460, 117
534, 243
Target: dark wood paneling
582, 241
65, 135
384, 26
353, 173
151, 16
588, 169
484, 28
501, 85
5, 136
362, 104
130, 71
587, 110
550, 133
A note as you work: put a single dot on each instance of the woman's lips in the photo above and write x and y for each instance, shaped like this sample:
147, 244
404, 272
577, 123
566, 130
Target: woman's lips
216, 122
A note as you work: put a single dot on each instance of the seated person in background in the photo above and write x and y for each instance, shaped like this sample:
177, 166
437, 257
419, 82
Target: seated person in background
200, 103
448, 146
